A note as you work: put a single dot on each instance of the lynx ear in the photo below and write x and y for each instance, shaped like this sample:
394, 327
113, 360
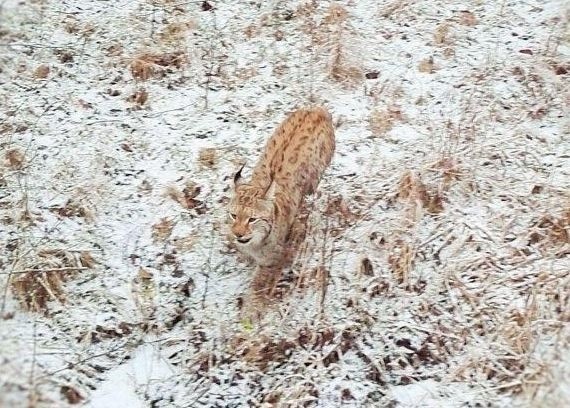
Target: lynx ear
237, 176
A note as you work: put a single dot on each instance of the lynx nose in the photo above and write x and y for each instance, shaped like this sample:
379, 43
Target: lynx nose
241, 239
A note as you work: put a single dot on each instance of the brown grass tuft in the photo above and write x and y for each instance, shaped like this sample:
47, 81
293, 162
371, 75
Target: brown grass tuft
15, 159
148, 65
86, 259
262, 351
43, 279
35, 289
187, 197
184, 244
177, 32
42, 71
162, 230
381, 121
393, 8
75, 208
71, 394
552, 233
467, 18
338, 209
412, 190
336, 14
142, 70
251, 31
441, 34
427, 66
340, 70
139, 98
449, 170
208, 157
347, 75
401, 260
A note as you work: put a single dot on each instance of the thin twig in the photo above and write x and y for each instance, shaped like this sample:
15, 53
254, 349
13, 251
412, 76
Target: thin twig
70, 268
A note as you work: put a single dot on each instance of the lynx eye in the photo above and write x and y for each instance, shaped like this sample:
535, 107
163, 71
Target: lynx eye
232, 216
252, 220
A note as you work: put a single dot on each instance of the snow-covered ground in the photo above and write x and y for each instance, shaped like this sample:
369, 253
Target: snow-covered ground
435, 272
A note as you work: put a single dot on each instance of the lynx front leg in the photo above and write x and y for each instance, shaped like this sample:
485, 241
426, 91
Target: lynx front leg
259, 296
264, 281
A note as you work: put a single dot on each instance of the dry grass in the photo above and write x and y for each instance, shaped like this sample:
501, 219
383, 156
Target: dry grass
401, 260
75, 207
341, 69
208, 157
42, 71
15, 158
139, 98
162, 230
148, 65
442, 33
177, 32
467, 18
382, 121
413, 191
438, 258
187, 196
427, 65
42, 279
552, 233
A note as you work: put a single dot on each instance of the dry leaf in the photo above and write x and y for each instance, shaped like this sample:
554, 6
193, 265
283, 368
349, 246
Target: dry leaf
141, 69
15, 158
162, 229
467, 18
427, 66
145, 274
86, 259
139, 98
440, 36
207, 157
42, 71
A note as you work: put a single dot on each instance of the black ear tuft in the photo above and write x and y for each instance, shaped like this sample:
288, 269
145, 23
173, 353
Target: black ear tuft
237, 176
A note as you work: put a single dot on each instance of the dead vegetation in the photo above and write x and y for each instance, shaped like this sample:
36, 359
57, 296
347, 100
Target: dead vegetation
381, 121
341, 67
155, 65
15, 158
427, 65
177, 32
415, 193
441, 34
42, 71
139, 98
551, 233
42, 279
162, 230
187, 196
208, 157
75, 207
437, 261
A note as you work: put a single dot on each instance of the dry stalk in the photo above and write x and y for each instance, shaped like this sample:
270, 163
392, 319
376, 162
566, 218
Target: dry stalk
381, 122
148, 65
340, 69
42, 280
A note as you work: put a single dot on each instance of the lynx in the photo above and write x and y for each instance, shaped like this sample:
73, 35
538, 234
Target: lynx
264, 209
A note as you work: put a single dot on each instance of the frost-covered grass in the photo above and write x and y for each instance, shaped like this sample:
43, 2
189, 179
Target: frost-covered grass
435, 268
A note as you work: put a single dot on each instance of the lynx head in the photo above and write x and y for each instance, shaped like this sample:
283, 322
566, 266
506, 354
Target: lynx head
251, 212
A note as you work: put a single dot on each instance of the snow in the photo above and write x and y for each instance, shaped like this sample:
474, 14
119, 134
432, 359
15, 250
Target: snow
123, 383
464, 304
